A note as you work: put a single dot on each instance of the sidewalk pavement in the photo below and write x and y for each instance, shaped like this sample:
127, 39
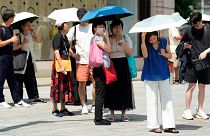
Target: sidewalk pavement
38, 121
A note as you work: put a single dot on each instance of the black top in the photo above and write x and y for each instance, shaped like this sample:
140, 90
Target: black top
5, 34
199, 39
61, 43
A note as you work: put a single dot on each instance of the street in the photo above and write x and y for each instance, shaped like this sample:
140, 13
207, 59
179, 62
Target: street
38, 121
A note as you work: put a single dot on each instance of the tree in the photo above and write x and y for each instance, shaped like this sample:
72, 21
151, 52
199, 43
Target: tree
185, 7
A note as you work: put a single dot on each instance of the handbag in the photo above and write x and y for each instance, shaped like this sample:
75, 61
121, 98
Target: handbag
19, 59
199, 64
95, 55
66, 64
110, 73
132, 66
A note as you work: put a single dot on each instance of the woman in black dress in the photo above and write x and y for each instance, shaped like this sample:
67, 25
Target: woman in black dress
119, 95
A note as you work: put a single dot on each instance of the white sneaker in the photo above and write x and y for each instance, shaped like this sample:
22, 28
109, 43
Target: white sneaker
187, 115
5, 105
201, 115
22, 104
92, 109
84, 110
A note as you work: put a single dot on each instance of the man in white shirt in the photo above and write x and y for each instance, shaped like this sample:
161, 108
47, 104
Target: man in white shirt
83, 71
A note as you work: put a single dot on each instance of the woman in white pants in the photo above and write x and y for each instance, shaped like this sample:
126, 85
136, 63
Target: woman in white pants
155, 74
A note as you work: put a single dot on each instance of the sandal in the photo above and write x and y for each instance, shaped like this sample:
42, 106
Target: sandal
171, 130
176, 82
124, 118
40, 100
157, 130
111, 118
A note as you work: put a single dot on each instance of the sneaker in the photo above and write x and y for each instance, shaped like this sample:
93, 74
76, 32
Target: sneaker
187, 115
102, 122
22, 104
65, 112
201, 115
84, 110
5, 105
57, 113
92, 109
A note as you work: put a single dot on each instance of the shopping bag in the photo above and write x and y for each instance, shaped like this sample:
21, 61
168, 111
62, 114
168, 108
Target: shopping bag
110, 73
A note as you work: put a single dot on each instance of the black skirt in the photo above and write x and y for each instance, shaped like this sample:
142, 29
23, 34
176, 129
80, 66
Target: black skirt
119, 94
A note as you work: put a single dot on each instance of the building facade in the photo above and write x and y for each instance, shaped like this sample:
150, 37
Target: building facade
44, 26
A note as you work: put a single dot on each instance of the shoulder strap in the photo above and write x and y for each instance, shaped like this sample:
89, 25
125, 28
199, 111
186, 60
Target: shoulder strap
75, 32
20, 38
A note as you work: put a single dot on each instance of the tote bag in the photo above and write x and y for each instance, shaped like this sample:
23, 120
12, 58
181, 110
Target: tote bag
95, 55
132, 66
19, 59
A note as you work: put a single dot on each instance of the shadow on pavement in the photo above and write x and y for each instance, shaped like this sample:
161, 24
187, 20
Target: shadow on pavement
187, 127
37, 122
132, 117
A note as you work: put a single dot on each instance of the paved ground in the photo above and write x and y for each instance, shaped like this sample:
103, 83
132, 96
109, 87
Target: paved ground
38, 121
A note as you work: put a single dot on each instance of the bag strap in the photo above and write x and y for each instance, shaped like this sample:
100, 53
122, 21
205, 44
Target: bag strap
125, 39
75, 33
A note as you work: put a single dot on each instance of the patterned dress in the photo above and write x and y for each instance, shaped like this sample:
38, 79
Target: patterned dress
61, 84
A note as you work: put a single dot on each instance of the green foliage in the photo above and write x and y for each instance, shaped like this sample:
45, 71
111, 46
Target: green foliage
185, 7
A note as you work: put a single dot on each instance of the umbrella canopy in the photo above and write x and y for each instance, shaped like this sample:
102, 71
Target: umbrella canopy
65, 15
19, 17
106, 13
158, 22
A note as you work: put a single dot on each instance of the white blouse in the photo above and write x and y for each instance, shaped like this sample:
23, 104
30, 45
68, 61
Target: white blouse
116, 50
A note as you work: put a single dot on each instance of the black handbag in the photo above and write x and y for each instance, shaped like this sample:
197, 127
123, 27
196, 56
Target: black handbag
19, 59
199, 64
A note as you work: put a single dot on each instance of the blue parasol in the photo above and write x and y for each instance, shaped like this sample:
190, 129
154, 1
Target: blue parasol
106, 13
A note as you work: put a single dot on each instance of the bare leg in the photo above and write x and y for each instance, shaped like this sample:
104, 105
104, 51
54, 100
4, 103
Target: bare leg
63, 106
55, 106
82, 92
112, 112
189, 92
123, 112
201, 96
176, 70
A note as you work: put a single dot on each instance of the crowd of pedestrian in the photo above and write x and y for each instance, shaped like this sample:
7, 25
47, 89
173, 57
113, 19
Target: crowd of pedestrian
187, 47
